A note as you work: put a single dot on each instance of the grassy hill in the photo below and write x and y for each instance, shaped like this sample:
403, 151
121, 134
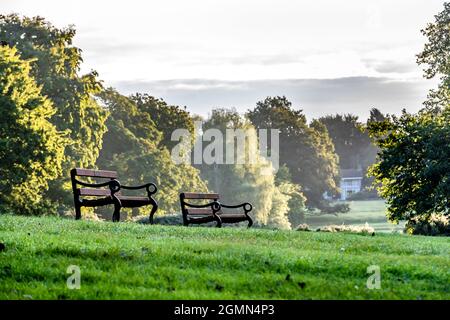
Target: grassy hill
133, 261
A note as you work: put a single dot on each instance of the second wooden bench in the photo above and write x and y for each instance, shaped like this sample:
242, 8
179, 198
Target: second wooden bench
212, 211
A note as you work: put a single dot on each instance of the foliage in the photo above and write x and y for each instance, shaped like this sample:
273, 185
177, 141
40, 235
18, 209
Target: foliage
334, 209
305, 149
55, 66
363, 195
134, 261
413, 167
364, 229
31, 149
303, 227
247, 182
133, 147
434, 225
297, 200
350, 140
167, 118
436, 56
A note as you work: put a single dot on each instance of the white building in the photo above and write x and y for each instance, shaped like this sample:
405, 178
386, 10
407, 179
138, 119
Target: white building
351, 180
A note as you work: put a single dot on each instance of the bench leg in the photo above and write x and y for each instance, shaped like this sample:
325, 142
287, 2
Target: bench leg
250, 222
116, 214
219, 222
152, 213
77, 212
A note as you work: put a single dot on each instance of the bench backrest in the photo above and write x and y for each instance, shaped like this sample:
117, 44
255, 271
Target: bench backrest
196, 197
91, 173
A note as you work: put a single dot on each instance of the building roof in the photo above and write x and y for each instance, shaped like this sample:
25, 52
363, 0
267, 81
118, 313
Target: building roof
351, 173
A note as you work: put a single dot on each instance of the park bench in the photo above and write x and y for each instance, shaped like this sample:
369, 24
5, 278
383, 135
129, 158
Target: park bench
211, 211
108, 192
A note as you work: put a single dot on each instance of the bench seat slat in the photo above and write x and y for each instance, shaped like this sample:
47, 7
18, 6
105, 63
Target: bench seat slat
132, 198
199, 211
231, 215
94, 192
96, 173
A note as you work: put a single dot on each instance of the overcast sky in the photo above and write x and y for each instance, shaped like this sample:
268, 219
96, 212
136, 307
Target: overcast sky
326, 56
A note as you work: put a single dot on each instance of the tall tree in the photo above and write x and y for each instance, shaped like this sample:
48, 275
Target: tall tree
352, 142
305, 149
349, 139
436, 57
167, 118
133, 146
248, 180
55, 67
413, 168
31, 149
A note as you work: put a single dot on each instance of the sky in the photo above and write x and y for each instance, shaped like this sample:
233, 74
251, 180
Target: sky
325, 56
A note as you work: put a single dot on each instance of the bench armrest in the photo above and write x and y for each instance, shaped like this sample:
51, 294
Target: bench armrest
246, 206
113, 185
150, 187
215, 206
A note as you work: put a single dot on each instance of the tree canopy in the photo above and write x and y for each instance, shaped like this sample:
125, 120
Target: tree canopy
167, 118
306, 150
436, 57
55, 65
349, 138
413, 168
133, 146
31, 149
273, 200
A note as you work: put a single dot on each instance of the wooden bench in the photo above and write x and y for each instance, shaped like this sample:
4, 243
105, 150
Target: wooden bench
108, 192
211, 211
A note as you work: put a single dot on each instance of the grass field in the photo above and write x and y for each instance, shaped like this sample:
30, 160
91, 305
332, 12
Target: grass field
372, 212
134, 261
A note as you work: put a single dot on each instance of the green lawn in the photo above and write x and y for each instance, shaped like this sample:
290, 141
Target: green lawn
373, 212
134, 261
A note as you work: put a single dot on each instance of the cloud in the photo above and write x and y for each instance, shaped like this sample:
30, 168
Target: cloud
391, 66
316, 97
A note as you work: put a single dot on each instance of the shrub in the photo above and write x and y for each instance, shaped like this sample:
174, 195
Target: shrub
364, 229
336, 208
364, 195
303, 227
434, 225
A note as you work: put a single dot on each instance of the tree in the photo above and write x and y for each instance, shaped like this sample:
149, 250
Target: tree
352, 142
31, 149
248, 181
349, 139
167, 118
55, 67
133, 146
376, 115
305, 149
413, 167
436, 57
296, 201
